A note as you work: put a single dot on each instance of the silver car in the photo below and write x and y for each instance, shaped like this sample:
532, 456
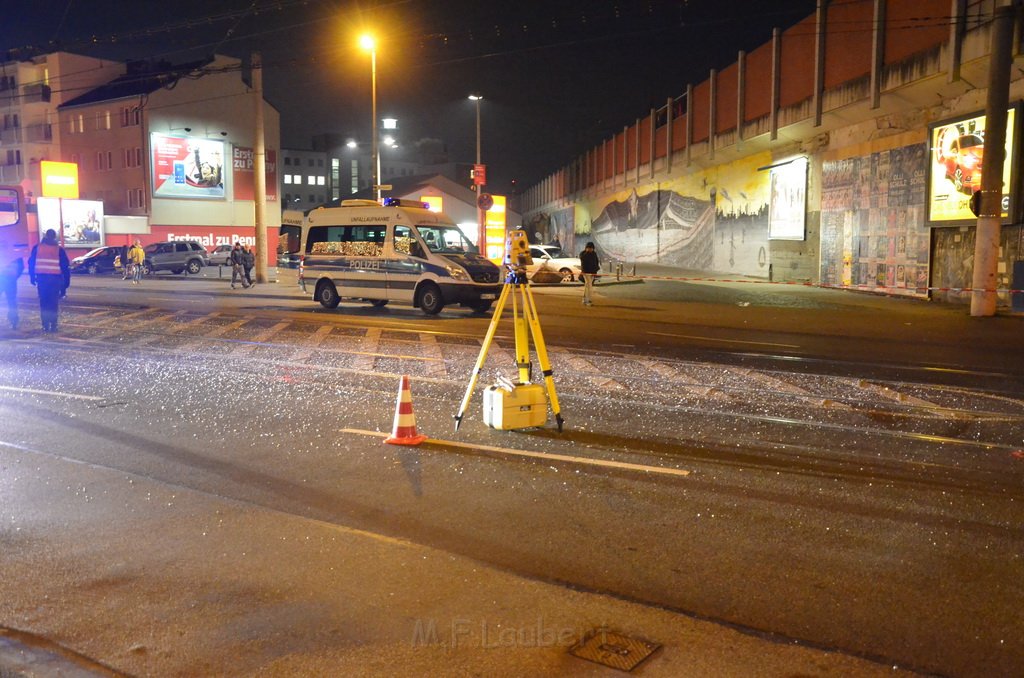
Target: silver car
550, 259
174, 257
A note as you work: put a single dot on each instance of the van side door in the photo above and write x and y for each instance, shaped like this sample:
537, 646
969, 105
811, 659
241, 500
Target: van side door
405, 268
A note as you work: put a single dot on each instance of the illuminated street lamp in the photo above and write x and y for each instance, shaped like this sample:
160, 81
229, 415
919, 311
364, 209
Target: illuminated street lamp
481, 223
368, 43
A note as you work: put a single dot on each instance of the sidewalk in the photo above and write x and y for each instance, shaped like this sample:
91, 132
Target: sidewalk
188, 583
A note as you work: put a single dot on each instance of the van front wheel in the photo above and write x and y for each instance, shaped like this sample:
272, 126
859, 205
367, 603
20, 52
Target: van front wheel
327, 295
430, 299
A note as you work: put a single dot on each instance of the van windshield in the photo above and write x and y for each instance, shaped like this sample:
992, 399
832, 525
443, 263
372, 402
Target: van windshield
444, 239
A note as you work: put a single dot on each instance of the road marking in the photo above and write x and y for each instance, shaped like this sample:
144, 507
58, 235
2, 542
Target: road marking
433, 350
727, 341
366, 358
586, 369
542, 456
62, 394
782, 386
682, 380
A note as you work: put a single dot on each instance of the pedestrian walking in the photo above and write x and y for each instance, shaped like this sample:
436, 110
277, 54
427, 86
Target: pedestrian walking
136, 259
126, 269
248, 261
50, 272
590, 265
238, 266
11, 268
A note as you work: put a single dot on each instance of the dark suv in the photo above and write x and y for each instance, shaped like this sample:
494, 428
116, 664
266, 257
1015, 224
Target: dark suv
175, 257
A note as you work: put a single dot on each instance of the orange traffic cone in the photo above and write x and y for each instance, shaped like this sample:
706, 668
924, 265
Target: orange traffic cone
404, 430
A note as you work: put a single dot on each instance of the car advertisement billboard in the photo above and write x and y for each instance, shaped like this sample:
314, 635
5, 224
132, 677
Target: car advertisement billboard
243, 166
957, 151
187, 167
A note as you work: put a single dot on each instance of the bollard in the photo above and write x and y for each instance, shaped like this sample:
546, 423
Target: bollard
618, 271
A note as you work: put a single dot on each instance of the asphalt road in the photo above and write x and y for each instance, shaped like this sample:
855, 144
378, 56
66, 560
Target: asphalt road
828, 468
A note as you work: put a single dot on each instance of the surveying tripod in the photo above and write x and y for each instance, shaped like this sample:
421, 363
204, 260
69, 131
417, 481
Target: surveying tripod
528, 320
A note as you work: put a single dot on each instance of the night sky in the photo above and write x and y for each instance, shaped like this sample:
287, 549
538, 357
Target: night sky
557, 77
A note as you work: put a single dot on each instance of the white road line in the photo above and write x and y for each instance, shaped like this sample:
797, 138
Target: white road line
306, 351
585, 369
776, 384
62, 394
542, 456
726, 341
682, 380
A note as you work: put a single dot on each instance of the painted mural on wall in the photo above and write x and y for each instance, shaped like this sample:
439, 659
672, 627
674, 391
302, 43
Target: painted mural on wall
711, 221
555, 226
873, 232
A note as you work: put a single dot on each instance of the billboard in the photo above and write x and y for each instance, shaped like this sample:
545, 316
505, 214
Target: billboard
957, 150
187, 167
78, 222
59, 179
243, 164
787, 206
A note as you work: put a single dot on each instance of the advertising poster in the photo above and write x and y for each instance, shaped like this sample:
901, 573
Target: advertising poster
957, 151
788, 203
186, 167
83, 223
243, 164
79, 223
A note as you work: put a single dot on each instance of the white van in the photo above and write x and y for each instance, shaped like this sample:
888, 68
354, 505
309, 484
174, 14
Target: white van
399, 251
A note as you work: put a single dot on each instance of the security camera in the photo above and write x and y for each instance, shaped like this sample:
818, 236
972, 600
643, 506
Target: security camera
188, 129
223, 134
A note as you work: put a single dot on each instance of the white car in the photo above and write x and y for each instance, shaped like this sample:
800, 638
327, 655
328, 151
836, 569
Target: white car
549, 258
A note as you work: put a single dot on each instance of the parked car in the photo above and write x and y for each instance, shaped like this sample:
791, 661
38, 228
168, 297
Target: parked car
174, 257
99, 260
550, 259
221, 256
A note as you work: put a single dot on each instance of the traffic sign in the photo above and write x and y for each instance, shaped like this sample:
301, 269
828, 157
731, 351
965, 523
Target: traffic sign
383, 187
480, 175
485, 201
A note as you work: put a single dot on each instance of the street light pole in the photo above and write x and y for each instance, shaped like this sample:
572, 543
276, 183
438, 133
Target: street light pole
367, 42
481, 222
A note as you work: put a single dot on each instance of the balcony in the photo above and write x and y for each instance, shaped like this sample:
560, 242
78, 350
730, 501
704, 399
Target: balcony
35, 93
41, 133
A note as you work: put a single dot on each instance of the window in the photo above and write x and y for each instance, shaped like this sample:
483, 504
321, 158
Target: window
320, 198
354, 185
311, 162
287, 161
181, 247
287, 197
359, 241
311, 180
134, 197
320, 181
312, 198
81, 123
71, 125
106, 119
287, 177
17, 157
131, 116
319, 162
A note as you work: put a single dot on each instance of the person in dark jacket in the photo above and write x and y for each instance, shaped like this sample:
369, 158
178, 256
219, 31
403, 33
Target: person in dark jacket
238, 266
248, 261
590, 265
50, 271
11, 268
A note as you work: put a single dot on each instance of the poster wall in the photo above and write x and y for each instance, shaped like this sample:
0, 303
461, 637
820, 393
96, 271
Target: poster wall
243, 167
187, 167
957, 151
873, 229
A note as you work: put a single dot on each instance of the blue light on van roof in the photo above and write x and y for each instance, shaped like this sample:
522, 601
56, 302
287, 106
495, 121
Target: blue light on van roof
401, 202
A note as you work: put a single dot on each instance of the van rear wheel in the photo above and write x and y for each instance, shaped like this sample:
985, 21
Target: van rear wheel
327, 295
430, 299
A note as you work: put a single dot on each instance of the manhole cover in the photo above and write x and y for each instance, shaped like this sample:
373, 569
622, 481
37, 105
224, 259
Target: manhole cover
613, 649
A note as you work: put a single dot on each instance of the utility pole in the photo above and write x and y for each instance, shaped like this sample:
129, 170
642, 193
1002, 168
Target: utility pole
987, 235
259, 173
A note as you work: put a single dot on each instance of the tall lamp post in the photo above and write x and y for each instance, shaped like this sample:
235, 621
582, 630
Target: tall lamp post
367, 42
481, 222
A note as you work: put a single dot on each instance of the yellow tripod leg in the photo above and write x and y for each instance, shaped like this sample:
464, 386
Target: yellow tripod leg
488, 338
522, 338
530, 311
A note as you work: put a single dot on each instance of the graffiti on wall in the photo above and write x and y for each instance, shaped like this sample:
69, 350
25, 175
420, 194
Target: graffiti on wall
558, 226
873, 231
